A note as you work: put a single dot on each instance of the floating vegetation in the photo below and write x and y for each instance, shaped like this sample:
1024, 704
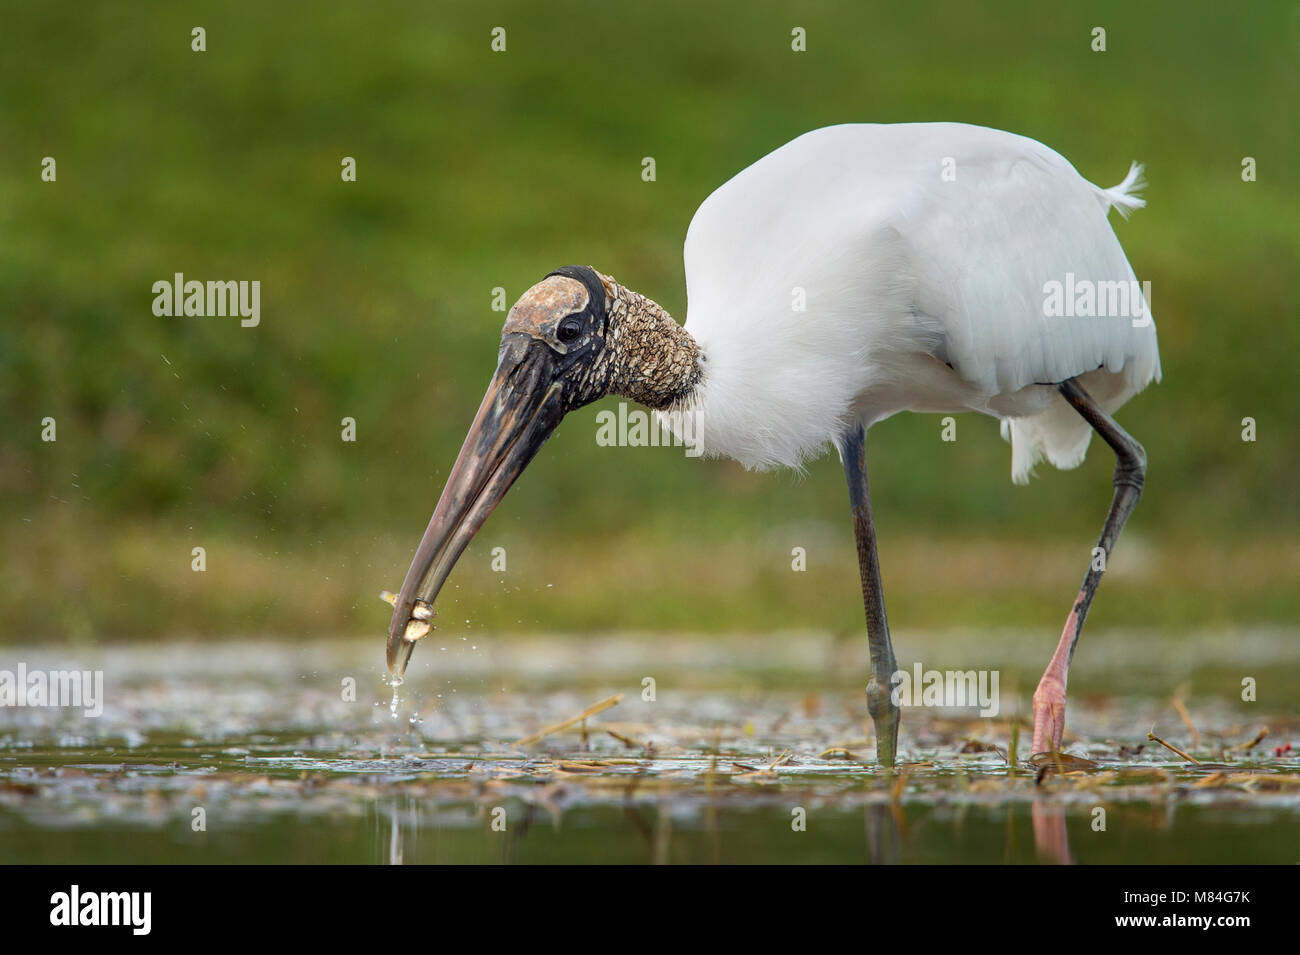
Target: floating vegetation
572, 721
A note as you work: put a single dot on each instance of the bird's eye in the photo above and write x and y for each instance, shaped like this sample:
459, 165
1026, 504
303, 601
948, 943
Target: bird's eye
569, 329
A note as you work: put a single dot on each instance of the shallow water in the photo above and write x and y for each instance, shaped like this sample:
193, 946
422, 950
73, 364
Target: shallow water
753, 749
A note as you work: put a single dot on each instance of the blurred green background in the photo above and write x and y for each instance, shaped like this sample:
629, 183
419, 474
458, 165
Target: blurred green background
479, 169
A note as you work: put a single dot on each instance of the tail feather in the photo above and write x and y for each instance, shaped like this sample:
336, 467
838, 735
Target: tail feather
1124, 196
1057, 434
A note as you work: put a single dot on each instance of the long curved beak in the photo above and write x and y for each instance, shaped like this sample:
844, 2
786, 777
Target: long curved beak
523, 405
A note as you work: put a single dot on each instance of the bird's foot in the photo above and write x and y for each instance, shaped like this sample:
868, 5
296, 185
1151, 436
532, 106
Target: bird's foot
1049, 715
884, 716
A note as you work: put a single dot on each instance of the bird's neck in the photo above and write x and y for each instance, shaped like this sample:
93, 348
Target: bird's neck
654, 361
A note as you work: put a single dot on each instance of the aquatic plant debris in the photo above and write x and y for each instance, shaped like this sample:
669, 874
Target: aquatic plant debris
558, 727
1191, 759
1186, 718
1062, 764
1252, 743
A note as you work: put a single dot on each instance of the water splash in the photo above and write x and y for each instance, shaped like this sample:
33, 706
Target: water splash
396, 684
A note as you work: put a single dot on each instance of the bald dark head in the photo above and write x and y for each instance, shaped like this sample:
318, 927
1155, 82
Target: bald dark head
564, 310
573, 337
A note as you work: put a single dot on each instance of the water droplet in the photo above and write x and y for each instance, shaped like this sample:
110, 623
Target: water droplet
392, 707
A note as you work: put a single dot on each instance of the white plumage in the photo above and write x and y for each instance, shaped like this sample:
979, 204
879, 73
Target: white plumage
922, 253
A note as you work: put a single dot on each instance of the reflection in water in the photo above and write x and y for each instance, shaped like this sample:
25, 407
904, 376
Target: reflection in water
1051, 840
884, 826
403, 818
656, 835
663, 836
395, 840
517, 832
679, 827
884, 831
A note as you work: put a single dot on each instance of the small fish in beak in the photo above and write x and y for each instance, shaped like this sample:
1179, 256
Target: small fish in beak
418, 625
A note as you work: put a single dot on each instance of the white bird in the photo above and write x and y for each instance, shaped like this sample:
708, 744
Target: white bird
855, 272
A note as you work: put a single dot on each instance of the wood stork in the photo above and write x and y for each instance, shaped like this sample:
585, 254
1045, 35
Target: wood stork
925, 257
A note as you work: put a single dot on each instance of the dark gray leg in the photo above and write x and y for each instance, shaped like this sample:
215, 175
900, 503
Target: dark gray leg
884, 713
1130, 475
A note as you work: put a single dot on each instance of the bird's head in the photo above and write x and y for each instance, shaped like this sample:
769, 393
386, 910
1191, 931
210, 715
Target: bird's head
572, 338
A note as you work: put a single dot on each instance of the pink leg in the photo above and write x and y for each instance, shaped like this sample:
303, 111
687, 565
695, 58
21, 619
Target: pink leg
1049, 698
1130, 475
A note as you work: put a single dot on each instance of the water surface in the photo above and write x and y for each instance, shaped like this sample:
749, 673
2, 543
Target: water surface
753, 749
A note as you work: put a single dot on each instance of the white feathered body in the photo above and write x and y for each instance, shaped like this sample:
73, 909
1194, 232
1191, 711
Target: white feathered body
863, 270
